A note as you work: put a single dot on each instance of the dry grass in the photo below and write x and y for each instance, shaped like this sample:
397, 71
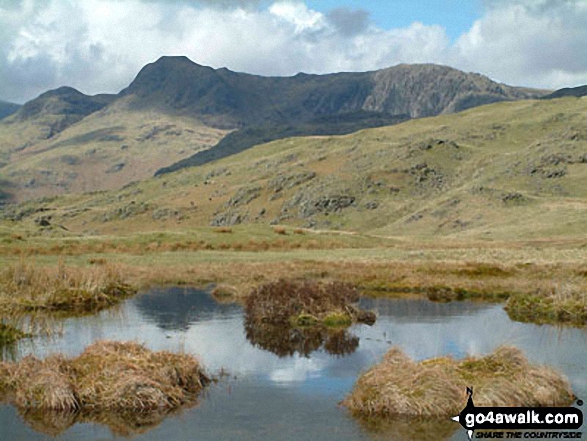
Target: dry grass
437, 387
225, 293
304, 303
564, 302
107, 376
439, 271
25, 286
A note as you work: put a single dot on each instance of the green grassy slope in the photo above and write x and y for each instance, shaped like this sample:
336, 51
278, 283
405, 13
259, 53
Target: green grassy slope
515, 170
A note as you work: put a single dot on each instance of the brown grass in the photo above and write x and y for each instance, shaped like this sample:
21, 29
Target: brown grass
437, 387
302, 303
107, 376
225, 293
280, 230
24, 286
564, 302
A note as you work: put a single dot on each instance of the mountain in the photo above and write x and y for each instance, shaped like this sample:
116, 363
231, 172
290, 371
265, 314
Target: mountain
176, 113
236, 99
47, 115
7, 109
568, 91
268, 107
510, 170
106, 149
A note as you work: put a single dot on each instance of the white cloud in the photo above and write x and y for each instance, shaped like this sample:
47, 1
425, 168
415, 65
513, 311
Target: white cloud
540, 43
100, 45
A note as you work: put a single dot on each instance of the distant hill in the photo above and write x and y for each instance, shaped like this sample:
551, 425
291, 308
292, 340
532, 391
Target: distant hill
7, 109
176, 113
506, 171
568, 91
55, 110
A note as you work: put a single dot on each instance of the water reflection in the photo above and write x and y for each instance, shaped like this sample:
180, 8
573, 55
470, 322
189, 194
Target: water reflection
126, 424
286, 341
178, 308
292, 396
413, 429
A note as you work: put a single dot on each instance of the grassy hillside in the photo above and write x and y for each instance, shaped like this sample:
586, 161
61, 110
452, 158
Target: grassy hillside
66, 142
105, 150
505, 171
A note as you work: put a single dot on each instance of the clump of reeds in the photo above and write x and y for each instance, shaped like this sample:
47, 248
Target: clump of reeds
562, 303
24, 286
106, 377
304, 303
10, 334
437, 387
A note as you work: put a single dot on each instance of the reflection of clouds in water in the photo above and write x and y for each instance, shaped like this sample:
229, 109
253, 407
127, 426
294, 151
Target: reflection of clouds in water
299, 371
279, 396
421, 328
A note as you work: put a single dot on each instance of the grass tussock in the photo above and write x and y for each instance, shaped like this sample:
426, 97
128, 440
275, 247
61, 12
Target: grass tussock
106, 377
563, 303
25, 286
280, 230
304, 303
437, 387
225, 293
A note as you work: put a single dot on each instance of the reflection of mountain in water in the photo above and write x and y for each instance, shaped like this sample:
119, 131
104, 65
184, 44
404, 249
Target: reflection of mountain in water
420, 311
178, 308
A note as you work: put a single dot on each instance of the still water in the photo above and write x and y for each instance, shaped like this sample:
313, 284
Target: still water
294, 397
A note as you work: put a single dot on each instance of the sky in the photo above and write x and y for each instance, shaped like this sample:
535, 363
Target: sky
98, 46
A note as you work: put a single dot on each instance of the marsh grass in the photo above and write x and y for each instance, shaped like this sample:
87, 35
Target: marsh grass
106, 377
223, 293
25, 286
303, 303
398, 386
9, 334
564, 302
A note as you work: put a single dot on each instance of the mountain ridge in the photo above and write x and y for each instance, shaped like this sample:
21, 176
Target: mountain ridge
49, 142
419, 90
578, 92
